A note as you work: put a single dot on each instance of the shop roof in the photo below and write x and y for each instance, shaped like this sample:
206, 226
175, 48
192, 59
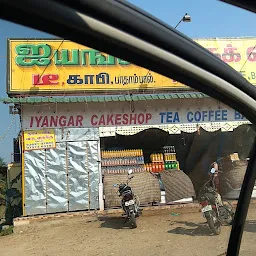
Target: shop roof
105, 98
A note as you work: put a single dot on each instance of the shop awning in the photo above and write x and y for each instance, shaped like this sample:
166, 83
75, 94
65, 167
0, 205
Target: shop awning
104, 98
172, 128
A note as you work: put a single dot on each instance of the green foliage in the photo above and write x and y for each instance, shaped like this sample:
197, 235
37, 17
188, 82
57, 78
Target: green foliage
3, 190
6, 232
2, 163
13, 205
11, 199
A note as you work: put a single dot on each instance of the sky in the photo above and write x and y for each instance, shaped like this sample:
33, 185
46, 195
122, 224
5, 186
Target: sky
209, 19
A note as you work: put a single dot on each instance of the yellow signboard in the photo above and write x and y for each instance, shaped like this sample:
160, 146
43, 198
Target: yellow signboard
63, 67
39, 139
239, 53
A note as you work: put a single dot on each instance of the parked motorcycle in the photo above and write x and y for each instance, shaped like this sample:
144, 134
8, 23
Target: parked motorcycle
216, 211
129, 202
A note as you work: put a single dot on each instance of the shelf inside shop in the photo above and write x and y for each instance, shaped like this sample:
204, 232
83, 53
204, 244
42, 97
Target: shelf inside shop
175, 169
119, 157
113, 165
109, 154
122, 169
121, 161
125, 161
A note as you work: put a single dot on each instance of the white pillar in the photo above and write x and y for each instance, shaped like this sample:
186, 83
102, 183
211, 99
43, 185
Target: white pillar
101, 196
101, 199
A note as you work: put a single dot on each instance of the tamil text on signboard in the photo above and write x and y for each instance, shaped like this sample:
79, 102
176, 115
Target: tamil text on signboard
57, 66
63, 67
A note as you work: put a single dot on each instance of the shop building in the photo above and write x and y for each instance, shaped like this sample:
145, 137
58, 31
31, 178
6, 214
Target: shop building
67, 173
72, 141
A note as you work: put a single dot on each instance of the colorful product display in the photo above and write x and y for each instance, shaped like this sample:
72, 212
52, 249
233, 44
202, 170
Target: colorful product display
122, 169
120, 161
165, 161
169, 149
170, 157
171, 165
154, 167
122, 153
157, 158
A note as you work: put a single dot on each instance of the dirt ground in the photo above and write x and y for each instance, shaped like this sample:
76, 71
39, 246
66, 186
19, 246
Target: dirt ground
158, 233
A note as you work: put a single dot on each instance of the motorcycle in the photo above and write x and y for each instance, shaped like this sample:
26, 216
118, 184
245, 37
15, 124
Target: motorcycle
129, 201
216, 211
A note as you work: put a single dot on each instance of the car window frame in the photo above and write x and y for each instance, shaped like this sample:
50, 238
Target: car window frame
83, 27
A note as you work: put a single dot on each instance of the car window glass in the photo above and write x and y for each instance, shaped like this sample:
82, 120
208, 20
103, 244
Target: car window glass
83, 120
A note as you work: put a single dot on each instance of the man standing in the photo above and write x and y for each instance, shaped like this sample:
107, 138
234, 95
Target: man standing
214, 173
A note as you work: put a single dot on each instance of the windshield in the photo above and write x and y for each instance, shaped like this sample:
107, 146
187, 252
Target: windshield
102, 157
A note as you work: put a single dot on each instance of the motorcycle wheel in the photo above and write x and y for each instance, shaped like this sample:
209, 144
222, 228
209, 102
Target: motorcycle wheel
137, 206
214, 226
227, 205
230, 219
133, 221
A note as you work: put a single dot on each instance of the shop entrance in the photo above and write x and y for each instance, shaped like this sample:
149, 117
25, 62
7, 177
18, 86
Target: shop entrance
151, 154
195, 151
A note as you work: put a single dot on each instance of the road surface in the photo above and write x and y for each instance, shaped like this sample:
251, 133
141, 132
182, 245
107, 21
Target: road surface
158, 233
